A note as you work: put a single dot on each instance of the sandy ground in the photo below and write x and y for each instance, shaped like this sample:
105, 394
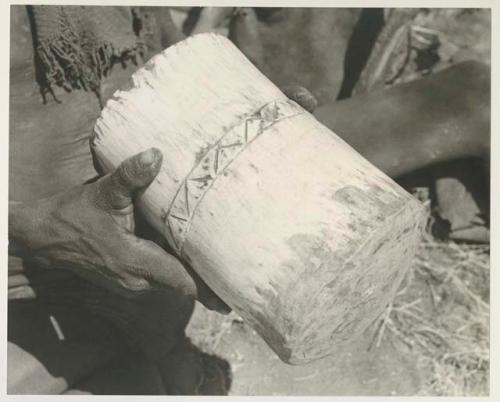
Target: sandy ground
355, 370
411, 363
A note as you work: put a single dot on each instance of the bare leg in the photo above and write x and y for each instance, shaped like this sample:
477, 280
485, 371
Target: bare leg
442, 118
410, 126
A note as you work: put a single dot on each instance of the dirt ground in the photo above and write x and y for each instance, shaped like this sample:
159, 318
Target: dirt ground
355, 370
433, 339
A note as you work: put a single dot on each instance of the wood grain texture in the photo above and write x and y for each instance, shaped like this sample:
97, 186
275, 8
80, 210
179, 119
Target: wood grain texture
298, 233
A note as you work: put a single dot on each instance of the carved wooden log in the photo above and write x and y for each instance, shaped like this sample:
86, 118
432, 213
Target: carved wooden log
288, 224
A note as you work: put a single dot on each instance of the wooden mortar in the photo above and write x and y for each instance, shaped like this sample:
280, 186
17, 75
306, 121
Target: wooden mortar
288, 224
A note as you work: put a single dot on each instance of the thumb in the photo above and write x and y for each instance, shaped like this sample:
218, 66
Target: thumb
133, 174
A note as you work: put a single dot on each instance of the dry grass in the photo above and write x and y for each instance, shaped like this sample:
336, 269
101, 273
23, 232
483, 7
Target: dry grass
441, 313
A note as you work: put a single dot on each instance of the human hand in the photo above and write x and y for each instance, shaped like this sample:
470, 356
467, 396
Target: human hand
90, 230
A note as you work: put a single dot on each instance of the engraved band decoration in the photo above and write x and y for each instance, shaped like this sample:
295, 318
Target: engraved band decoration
216, 159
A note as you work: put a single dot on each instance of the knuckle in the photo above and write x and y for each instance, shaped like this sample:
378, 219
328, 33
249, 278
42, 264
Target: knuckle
125, 173
142, 273
188, 289
135, 284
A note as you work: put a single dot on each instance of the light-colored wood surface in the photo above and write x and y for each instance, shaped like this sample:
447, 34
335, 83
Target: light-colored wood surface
288, 224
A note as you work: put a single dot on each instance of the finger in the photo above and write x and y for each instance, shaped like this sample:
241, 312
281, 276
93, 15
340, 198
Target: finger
302, 96
151, 267
207, 296
148, 264
133, 174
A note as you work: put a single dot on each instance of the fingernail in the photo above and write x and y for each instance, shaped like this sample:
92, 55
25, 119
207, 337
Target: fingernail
218, 305
224, 309
309, 101
148, 157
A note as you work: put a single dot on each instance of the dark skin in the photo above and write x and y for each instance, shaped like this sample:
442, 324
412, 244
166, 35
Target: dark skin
89, 229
